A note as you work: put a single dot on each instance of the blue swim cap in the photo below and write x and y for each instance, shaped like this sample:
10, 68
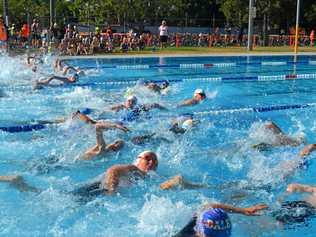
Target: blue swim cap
213, 223
86, 111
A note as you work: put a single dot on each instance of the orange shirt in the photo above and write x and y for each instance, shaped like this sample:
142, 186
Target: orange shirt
25, 31
3, 33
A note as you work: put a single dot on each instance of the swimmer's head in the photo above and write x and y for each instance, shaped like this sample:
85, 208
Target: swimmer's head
146, 161
187, 124
164, 84
213, 223
199, 94
75, 77
79, 72
131, 101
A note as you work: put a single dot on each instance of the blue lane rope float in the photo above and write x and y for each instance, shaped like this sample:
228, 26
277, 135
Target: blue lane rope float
40, 126
256, 109
244, 78
23, 128
200, 65
35, 126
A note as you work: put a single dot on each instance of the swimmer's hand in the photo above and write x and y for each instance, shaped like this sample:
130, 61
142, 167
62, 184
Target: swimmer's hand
253, 211
307, 150
171, 183
291, 188
123, 128
301, 188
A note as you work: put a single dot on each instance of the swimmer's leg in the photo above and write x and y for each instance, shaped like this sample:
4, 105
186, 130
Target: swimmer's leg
18, 182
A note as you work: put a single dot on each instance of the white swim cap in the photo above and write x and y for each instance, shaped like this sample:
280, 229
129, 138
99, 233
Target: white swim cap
132, 98
187, 124
199, 91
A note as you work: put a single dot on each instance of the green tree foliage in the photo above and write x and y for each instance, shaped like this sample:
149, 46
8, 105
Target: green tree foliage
138, 13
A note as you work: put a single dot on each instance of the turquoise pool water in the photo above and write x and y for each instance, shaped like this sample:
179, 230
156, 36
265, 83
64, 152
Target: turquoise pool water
218, 152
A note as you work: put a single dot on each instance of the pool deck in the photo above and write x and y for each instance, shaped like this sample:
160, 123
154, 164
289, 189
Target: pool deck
185, 55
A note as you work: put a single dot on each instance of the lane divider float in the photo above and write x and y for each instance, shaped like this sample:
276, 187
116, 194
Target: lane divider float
255, 109
199, 65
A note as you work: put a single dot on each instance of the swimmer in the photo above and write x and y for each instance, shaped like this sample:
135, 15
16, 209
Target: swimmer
213, 220
180, 125
199, 96
293, 212
155, 87
65, 80
281, 139
131, 104
101, 147
183, 123
31, 60
115, 177
58, 65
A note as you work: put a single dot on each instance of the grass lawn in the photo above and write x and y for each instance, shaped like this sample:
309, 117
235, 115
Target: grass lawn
217, 50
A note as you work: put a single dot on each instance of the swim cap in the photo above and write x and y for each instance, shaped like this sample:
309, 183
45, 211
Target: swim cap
132, 98
187, 124
213, 223
165, 82
199, 91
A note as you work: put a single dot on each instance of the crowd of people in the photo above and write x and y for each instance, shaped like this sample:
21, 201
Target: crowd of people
213, 219
70, 41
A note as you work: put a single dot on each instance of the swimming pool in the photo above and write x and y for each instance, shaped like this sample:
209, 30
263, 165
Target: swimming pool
218, 152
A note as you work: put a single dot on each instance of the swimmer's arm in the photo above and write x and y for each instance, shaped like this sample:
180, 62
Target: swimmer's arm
248, 211
291, 188
19, 183
68, 68
307, 150
178, 181
117, 108
153, 106
110, 125
114, 174
83, 117
187, 103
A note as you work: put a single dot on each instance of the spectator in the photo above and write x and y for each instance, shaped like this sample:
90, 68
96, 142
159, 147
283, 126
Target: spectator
25, 33
36, 36
124, 45
163, 34
3, 33
312, 38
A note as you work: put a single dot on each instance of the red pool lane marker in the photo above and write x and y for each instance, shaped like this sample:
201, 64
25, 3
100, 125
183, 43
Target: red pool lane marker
208, 65
291, 76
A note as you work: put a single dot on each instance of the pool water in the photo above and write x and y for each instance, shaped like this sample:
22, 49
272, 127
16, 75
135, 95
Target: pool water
218, 152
